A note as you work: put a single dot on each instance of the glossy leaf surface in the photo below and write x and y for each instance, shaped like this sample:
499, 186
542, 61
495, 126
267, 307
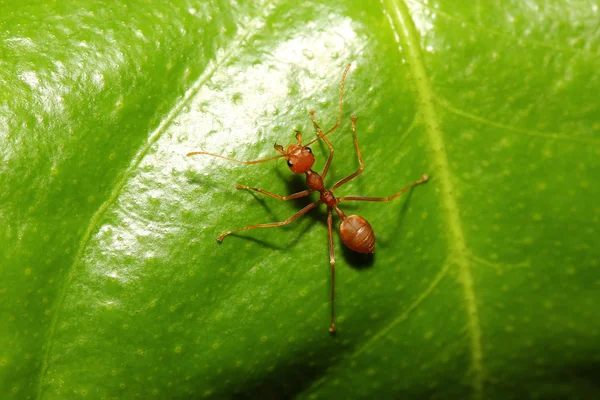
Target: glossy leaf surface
485, 280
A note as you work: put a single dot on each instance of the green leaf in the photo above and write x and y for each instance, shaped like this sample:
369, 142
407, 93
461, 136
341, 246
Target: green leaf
484, 283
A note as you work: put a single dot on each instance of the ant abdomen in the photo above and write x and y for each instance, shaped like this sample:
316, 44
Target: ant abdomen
357, 234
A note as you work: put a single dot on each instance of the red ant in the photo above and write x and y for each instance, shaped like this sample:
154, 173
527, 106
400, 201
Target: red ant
355, 231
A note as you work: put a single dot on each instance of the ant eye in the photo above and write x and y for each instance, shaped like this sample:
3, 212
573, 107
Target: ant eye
308, 149
289, 162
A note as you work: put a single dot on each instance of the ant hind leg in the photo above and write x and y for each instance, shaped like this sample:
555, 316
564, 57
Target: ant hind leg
271, 224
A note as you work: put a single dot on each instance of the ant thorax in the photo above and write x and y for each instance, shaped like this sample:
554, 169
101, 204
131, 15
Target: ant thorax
314, 181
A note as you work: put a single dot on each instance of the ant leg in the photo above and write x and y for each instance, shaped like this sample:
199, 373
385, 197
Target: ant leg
339, 121
332, 262
360, 160
382, 199
294, 196
327, 142
272, 224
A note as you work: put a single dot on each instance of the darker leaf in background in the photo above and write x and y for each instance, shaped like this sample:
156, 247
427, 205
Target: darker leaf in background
484, 282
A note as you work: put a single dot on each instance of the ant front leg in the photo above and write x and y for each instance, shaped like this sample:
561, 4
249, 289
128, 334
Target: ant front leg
294, 196
360, 160
339, 121
327, 142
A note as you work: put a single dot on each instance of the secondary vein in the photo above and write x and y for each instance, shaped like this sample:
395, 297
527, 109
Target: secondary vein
118, 188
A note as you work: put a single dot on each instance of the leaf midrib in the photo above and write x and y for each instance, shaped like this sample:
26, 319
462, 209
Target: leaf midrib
406, 31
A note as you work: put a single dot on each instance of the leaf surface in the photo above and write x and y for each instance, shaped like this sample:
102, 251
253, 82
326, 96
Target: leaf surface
484, 282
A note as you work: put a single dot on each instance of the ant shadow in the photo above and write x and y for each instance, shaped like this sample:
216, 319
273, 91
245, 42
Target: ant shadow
197, 180
355, 260
358, 261
295, 184
386, 242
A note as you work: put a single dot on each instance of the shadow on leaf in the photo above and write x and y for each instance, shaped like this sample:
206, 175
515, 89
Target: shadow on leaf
358, 261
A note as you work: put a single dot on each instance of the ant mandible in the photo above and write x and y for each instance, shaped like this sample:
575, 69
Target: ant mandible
355, 231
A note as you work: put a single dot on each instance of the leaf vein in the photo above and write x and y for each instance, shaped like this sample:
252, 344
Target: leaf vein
402, 317
120, 184
547, 135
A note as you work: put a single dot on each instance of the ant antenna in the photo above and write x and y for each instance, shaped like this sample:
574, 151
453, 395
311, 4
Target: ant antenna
193, 153
339, 121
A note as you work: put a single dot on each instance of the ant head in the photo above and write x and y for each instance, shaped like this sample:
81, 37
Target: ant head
299, 158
